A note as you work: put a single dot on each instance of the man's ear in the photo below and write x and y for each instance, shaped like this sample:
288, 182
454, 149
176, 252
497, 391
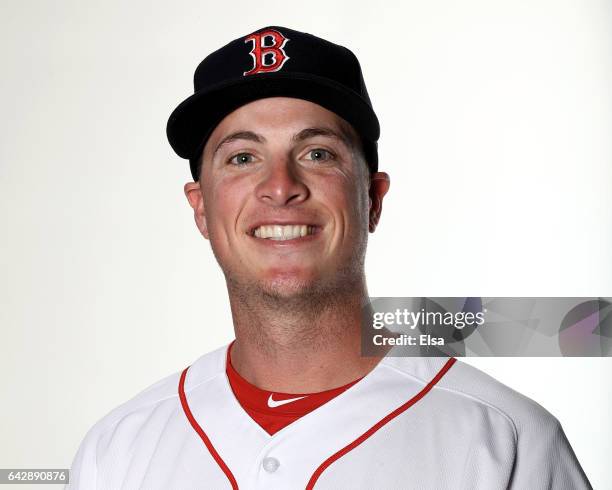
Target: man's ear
379, 185
193, 192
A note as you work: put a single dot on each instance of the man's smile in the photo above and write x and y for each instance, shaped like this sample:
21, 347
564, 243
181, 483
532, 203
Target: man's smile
286, 231
283, 232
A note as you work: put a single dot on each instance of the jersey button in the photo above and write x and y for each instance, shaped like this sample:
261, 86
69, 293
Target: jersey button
270, 464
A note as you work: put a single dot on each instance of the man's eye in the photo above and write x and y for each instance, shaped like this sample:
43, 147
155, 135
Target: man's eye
241, 159
319, 155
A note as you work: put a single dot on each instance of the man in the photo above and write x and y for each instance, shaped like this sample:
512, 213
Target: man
281, 138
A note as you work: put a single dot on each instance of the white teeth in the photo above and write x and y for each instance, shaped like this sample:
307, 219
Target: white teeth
283, 232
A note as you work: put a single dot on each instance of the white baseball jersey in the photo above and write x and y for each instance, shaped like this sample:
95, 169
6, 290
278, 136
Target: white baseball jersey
411, 423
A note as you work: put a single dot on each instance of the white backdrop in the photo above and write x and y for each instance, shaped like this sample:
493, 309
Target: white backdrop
496, 120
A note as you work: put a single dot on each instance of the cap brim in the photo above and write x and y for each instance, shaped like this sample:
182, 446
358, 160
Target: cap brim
196, 117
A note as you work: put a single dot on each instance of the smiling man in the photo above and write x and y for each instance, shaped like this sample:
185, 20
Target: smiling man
281, 138
286, 199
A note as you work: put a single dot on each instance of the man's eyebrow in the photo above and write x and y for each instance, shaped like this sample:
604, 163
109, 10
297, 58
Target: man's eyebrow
239, 135
304, 134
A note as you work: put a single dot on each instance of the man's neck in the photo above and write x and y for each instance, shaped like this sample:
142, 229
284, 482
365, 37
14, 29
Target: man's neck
300, 345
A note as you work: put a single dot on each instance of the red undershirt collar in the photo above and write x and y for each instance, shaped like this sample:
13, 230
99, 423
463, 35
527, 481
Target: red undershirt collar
273, 410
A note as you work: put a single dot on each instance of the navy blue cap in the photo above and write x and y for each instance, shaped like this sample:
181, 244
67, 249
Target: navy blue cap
273, 62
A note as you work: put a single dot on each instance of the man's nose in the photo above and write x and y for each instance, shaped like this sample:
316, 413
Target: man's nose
281, 184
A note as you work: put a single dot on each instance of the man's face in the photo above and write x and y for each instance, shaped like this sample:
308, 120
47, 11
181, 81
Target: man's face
285, 197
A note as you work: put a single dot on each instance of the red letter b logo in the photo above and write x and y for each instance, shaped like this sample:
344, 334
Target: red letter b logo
267, 53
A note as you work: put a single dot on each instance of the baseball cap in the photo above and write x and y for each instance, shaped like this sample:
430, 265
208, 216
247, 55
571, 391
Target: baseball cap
273, 62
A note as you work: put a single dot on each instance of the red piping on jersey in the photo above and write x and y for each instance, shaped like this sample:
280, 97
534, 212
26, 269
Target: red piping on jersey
402, 408
334, 457
202, 434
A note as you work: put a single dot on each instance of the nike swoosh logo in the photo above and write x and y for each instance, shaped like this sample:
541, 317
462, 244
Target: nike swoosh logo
272, 403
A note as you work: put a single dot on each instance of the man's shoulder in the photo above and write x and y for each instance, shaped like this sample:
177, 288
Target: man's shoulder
105, 452
466, 388
162, 394
473, 406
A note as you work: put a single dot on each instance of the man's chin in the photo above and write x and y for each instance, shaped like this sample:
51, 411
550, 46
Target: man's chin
288, 286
